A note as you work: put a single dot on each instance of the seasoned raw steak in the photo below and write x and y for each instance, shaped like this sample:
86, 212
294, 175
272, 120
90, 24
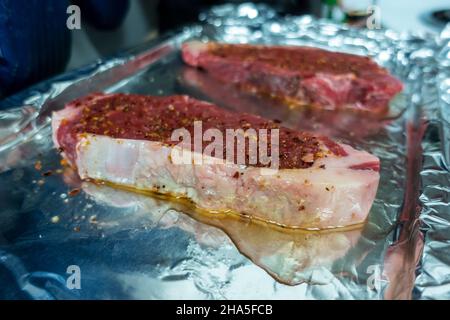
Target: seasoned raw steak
127, 140
298, 75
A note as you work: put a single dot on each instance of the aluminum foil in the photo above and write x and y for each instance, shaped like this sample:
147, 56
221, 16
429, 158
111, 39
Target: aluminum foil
61, 238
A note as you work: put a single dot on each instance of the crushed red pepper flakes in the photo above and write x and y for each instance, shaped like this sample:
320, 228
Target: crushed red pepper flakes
38, 165
74, 192
151, 118
307, 60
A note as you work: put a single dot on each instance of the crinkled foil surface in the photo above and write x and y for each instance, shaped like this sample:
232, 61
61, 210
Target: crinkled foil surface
61, 238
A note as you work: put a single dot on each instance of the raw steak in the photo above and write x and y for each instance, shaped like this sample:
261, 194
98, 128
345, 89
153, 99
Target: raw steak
324, 122
127, 140
299, 75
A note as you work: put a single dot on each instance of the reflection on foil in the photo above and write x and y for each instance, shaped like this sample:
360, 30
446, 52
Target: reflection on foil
31, 283
288, 255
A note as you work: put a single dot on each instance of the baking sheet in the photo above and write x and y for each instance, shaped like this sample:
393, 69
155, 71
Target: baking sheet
136, 247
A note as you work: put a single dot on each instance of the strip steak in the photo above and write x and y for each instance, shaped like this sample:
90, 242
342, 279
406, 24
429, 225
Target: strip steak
126, 140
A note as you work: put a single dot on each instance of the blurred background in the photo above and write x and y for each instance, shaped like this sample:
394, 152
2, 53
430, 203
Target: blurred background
36, 44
